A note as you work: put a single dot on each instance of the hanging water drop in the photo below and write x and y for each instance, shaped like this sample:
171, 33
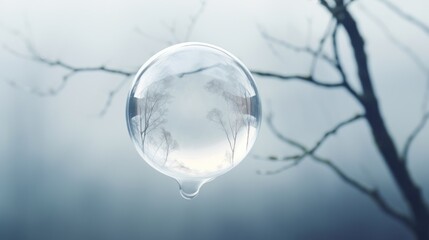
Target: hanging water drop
193, 113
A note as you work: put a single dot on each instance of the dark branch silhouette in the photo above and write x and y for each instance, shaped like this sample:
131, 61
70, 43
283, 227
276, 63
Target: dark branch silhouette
295, 48
413, 136
418, 221
373, 194
296, 159
305, 78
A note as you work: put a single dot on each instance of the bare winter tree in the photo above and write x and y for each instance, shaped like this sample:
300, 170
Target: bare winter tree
396, 161
239, 99
394, 157
230, 125
168, 143
242, 104
151, 110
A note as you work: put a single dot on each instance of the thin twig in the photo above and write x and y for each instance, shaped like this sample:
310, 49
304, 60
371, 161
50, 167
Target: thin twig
406, 16
308, 79
295, 48
373, 194
327, 33
194, 19
111, 95
308, 151
421, 65
413, 136
339, 65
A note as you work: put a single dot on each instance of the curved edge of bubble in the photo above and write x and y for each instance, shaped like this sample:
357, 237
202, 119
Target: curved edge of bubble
152, 61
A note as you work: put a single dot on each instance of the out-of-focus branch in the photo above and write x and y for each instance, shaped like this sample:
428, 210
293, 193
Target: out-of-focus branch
406, 16
405, 49
372, 193
307, 151
194, 19
339, 65
295, 48
308, 79
112, 95
402, 46
71, 71
329, 29
418, 62
413, 136
413, 21
175, 38
335, 129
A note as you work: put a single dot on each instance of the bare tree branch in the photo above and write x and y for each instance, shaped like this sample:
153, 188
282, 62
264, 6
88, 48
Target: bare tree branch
308, 79
295, 48
373, 194
194, 19
402, 46
111, 96
413, 136
71, 71
410, 191
335, 129
171, 28
339, 66
308, 151
406, 16
329, 29
419, 62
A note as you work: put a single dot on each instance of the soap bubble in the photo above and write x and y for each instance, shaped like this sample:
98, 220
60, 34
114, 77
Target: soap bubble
193, 113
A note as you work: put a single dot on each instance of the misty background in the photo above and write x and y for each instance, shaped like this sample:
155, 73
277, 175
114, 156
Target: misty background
66, 173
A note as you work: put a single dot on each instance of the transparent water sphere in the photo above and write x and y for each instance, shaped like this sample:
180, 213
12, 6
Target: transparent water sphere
193, 113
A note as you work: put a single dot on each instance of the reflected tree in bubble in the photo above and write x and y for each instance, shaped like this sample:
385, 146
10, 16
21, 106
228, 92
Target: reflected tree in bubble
168, 144
151, 111
238, 114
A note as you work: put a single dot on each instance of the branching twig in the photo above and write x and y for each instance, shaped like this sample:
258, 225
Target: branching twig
71, 70
111, 95
413, 136
194, 19
373, 194
175, 38
308, 79
309, 151
406, 16
295, 48
335, 129
339, 65
329, 29
405, 49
